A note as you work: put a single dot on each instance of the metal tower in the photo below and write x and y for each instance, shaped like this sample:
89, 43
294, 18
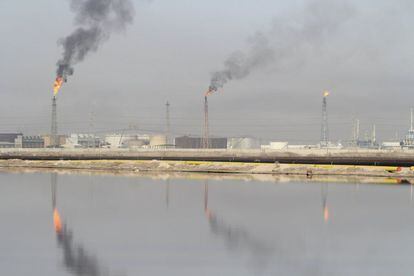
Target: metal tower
167, 123
357, 131
53, 130
206, 134
374, 135
324, 127
355, 134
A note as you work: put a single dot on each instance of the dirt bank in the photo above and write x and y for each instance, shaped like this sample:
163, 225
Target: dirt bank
213, 167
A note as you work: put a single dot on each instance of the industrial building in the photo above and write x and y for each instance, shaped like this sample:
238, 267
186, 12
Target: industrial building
187, 142
283, 145
136, 143
408, 141
275, 146
157, 141
29, 142
122, 140
369, 141
7, 139
243, 143
83, 141
367, 144
391, 145
60, 141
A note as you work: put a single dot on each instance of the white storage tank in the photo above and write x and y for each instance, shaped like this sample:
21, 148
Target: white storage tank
158, 141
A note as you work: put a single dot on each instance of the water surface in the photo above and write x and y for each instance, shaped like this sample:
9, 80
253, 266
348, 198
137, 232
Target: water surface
202, 225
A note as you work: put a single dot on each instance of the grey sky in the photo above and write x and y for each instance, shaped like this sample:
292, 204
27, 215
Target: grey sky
173, 47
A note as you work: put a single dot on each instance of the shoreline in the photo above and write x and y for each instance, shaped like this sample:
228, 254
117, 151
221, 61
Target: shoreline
203, 167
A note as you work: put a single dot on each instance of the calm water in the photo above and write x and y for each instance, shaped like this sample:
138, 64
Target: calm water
161, 225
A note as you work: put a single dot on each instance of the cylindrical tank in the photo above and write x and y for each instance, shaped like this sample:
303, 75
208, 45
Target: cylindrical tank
157, 141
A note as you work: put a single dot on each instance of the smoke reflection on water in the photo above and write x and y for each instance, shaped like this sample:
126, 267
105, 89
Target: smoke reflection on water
76, 259
238, 238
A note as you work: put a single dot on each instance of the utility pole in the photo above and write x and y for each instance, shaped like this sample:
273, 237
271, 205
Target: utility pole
167, 123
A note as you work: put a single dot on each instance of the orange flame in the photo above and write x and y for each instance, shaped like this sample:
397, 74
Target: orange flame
57, 85
208, 93
326, 214
57, 221
326, 93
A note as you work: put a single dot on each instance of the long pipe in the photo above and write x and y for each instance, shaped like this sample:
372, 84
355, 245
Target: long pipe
379, 159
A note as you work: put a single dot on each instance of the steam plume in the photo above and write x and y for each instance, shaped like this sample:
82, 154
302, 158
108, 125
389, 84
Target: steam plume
285, 39
96, 20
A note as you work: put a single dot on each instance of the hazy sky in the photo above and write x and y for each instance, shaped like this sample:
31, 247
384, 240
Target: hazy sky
173, 47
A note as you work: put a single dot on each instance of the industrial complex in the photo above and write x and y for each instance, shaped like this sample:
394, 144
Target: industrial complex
135, 139
164, 139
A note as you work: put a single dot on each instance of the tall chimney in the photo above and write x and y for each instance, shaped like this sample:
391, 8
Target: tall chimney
324, 126
167, 123
53, 130
206, 134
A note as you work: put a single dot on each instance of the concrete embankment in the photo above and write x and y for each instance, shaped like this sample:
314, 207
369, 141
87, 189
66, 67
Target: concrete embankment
305, 156
213, 167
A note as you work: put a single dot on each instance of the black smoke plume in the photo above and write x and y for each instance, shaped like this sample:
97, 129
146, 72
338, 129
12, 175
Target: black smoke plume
96, 20
287, 38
